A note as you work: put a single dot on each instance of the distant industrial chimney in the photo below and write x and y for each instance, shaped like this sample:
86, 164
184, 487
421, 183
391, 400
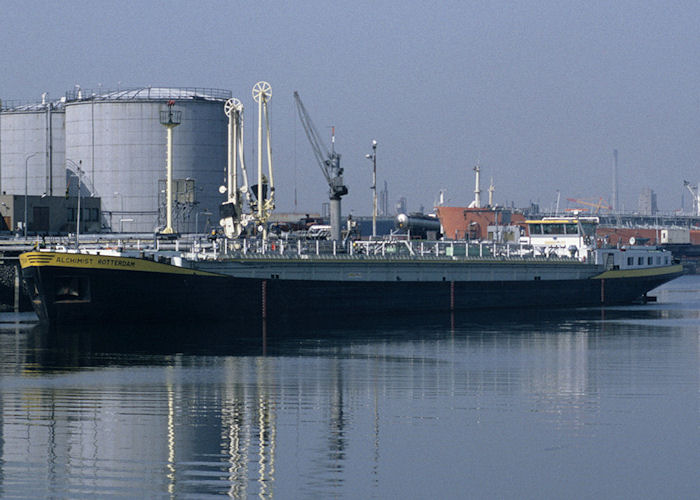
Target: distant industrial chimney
477, 189
613, 205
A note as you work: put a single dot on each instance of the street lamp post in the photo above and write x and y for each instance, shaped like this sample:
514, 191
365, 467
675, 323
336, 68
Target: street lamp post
26, 188
77, 223
373, 157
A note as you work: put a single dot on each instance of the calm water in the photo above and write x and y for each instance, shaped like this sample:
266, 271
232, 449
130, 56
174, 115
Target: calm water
564, 404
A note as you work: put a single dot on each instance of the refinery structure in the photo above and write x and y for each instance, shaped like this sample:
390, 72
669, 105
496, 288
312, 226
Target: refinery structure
112, 145
108, 148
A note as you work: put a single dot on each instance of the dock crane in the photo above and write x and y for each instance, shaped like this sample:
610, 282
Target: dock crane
695, 191
329, 161
597, 205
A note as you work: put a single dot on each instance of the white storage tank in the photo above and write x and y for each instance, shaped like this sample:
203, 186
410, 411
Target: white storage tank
32, 149
117, 140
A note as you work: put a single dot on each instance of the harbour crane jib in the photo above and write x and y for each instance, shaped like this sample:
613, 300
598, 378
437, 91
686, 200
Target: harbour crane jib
329, 161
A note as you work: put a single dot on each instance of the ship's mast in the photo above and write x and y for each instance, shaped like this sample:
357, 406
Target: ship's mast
233, 219
234, 111
265, 201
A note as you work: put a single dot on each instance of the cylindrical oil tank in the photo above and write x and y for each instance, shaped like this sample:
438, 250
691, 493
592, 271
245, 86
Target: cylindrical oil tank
121, 146
418, 224
32, 149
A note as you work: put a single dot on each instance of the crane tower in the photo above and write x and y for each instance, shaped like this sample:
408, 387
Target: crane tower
695, 191
329, 161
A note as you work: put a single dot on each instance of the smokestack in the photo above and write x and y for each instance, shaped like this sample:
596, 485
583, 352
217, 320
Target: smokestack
614, 183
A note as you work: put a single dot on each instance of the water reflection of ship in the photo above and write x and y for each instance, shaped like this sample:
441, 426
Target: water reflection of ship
248, 438
223, 424
163, 440
52, 347
244, 430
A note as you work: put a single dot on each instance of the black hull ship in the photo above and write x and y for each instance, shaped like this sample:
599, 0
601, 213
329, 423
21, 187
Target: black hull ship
258, 280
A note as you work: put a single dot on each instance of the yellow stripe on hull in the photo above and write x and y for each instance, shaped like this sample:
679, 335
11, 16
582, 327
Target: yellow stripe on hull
106, 262
640, 273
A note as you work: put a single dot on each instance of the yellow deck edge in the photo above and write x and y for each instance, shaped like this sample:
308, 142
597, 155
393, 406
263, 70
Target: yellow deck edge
105, 262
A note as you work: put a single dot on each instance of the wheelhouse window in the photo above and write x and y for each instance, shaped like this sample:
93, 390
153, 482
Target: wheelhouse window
553, 228
535, 228
571, 228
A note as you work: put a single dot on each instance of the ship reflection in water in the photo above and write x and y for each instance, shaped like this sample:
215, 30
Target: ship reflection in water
553, 404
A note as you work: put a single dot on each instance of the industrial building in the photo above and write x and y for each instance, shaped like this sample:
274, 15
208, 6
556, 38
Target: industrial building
49, 215
112, 145
647, 202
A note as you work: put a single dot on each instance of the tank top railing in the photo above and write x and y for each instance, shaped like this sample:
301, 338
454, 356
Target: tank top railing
369, 249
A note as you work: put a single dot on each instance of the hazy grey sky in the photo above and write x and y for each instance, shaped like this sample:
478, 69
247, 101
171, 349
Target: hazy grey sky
539, 92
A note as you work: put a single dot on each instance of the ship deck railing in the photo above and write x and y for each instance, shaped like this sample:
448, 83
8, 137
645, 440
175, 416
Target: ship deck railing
371, 249
257, 248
